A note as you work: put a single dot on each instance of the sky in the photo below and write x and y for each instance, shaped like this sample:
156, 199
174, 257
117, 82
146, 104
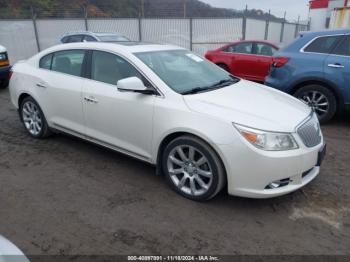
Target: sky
277, 7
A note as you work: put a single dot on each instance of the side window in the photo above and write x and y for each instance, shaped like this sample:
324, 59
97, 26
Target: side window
343, 48
64, 39
110, 68
68, 62
75, 38
45, 62
322, 45
88, 38
265, 50
241, 48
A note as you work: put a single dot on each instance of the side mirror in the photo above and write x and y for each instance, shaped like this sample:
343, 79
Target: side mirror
133, 84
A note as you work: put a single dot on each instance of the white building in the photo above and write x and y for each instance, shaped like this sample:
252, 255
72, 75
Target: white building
321, 12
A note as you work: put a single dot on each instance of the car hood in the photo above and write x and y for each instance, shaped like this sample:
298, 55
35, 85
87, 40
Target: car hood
252, 105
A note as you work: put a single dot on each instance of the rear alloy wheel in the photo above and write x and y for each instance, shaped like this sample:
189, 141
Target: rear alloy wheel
320, 99
192, 168
33, 118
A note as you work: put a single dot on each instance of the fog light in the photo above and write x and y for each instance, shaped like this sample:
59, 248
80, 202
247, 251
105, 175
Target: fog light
278, 184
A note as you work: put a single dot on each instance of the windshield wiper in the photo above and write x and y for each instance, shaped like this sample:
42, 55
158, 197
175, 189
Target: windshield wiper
223, 83
193, 91
217, 85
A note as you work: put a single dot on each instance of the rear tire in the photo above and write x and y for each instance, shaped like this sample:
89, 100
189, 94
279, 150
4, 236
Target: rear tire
192, 168
33, 118
320, 99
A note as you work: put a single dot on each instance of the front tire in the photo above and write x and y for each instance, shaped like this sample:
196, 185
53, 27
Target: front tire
192, 168
33, 118
320, 99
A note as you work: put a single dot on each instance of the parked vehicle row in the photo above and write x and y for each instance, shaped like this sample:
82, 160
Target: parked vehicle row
315, 68
4, 67
203, 128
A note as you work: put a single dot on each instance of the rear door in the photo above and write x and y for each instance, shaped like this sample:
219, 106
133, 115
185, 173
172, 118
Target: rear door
242, 59
59, 85
337, 67
264, 53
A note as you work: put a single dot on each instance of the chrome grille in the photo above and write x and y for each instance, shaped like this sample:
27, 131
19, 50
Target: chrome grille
310, 132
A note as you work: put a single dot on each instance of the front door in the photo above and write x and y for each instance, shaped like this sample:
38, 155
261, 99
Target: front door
118, 119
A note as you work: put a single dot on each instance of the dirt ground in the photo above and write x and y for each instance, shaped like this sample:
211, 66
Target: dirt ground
66, 196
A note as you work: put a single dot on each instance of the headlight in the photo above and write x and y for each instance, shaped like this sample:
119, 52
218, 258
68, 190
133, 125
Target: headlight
268, 141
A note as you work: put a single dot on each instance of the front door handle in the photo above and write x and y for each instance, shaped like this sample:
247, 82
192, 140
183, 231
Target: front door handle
91, 99
336, 65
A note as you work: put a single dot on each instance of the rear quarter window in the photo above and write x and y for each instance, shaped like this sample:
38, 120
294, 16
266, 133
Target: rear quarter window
45, 62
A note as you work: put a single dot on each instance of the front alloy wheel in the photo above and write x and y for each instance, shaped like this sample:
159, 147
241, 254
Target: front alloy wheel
193, 168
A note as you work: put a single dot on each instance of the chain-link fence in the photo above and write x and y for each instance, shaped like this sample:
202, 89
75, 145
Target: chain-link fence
25, 37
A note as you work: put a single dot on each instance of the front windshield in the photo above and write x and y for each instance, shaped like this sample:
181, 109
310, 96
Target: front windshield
185, 72
113, 38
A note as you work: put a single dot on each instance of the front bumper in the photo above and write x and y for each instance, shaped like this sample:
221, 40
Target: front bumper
250, 171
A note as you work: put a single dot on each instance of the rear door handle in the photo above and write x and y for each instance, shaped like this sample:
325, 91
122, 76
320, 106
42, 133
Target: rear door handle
91, 99
40, 85
336, 65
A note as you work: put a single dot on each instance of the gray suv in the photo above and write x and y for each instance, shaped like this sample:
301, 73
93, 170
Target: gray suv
86, 36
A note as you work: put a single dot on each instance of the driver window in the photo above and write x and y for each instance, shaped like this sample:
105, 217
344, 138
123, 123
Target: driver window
241, 48
109, 68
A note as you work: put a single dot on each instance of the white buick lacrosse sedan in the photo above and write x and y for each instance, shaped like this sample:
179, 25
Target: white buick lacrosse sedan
203, 128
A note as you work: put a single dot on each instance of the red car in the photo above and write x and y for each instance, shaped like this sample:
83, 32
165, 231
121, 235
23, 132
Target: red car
246, 59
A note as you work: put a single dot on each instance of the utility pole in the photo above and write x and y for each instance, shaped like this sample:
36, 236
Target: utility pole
282, 27
185, 8
244, 23
34, 16
267, 26
297, 27
142, 8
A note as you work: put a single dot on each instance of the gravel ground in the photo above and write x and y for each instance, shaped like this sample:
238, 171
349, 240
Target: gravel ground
66, 196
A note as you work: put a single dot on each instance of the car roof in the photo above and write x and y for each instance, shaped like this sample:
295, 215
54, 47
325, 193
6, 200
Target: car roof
249, 41
91, 33
129, 47
325, 32
2, 49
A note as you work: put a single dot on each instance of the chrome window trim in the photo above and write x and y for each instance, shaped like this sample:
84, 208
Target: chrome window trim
159, 93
